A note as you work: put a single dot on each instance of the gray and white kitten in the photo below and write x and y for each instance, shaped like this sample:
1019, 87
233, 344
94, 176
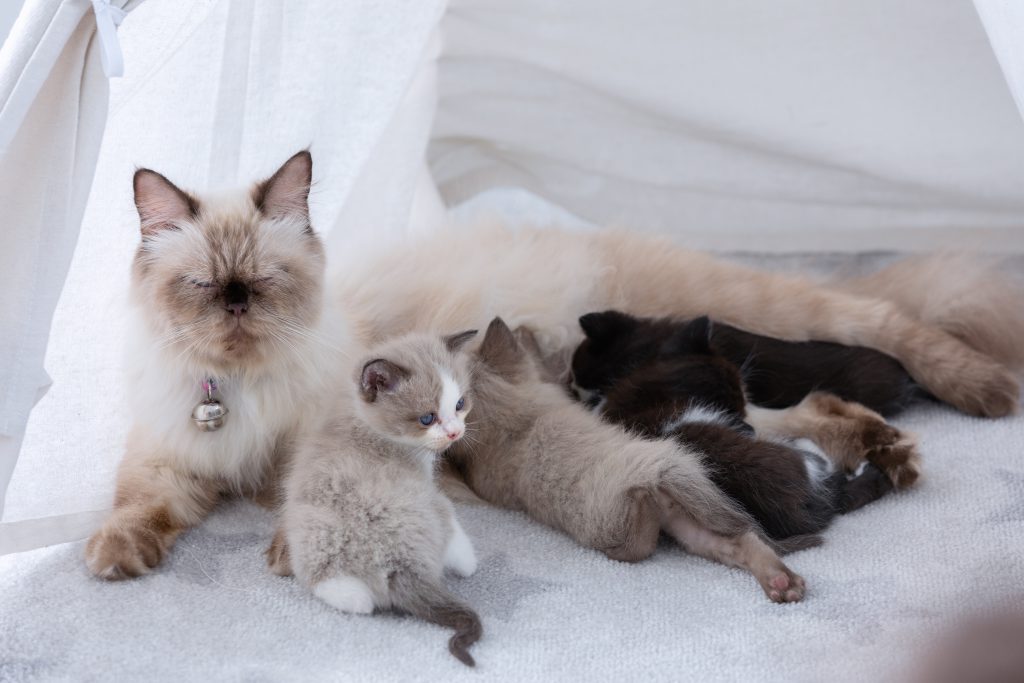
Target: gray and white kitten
364, 526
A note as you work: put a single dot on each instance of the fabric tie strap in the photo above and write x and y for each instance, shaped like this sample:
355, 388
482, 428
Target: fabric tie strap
108, 18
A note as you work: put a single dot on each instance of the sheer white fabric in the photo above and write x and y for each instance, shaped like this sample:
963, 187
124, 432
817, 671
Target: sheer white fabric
739, 124
53, 103
1004, 23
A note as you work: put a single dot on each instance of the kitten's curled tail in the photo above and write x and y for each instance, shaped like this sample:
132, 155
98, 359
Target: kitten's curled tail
966, 295
430, 601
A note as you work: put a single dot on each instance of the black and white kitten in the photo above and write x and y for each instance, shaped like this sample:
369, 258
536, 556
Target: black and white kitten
690, 392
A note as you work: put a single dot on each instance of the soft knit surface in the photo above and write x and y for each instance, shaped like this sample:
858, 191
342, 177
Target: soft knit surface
887, 580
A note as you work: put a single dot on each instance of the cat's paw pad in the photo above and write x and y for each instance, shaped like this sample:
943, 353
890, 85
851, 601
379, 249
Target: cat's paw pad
118, 552
346, 593
783, 585
899, 459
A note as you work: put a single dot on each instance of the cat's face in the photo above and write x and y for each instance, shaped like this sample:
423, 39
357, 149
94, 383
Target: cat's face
229, 282
416, 390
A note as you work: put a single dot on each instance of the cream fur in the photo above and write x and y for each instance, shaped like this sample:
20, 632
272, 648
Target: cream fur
546, 279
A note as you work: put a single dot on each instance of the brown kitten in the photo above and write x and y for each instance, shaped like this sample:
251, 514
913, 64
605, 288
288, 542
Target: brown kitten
535, 449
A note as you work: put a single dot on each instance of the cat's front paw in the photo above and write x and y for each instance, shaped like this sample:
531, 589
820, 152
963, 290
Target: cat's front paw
459, 556
123, 550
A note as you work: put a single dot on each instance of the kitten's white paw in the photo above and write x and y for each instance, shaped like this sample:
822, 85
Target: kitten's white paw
347, 593
459, 556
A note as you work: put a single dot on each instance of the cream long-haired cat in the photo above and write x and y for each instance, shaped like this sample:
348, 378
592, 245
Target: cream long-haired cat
204, 259
226, 299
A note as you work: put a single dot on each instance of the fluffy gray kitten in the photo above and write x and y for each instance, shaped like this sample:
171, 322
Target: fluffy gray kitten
364, 525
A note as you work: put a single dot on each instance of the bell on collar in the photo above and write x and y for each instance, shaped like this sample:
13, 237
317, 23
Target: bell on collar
209, 414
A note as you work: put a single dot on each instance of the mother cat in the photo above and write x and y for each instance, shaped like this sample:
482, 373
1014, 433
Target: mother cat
227, 307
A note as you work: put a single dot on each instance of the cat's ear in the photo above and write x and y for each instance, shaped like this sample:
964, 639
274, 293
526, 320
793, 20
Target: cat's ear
601, 328
161, 204
286, 193
693, 337
380, 376
454, 342
500, 350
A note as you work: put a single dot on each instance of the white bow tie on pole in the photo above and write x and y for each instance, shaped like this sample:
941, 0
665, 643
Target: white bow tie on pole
108, 18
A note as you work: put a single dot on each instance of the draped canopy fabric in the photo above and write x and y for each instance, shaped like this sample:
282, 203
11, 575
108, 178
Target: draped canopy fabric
738, 124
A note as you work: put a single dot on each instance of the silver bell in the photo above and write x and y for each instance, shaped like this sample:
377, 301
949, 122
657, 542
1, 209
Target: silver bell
209, 415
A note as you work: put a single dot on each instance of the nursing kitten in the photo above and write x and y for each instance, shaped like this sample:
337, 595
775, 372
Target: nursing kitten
696, 396
364, 525
796, 374
227, 289
776, 373
535, 449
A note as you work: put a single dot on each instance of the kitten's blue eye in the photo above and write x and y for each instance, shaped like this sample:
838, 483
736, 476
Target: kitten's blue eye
428, 419
461, 404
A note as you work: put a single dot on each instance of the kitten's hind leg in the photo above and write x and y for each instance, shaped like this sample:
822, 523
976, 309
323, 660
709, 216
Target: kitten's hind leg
459, 555
745, 550
346, 593
847, 432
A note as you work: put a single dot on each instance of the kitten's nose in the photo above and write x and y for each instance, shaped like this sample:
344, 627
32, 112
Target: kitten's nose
236, 298
453, 434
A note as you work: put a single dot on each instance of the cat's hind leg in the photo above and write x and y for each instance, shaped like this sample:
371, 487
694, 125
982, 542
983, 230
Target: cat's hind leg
706, 523
345, 592
848, 433
745, 551
459, 555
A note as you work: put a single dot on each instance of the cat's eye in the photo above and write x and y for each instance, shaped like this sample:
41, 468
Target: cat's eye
427, 419
200, 283
461, 404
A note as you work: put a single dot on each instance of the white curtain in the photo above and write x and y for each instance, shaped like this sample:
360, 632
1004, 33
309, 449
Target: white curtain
792, 125
214, 94
1004, 23
53, 104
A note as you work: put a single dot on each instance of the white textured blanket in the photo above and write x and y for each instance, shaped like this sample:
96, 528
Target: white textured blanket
888, 577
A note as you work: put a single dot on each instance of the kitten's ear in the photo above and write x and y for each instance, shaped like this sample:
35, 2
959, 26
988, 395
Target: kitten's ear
500, 350
602, 328
380, 376
693, 337
454, 342
286, 193
161, 204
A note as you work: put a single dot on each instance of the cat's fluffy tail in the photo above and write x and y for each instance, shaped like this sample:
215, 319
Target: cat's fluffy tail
430, 601
967, 295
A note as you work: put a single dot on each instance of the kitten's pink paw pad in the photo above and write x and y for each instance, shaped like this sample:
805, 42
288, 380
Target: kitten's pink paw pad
785, 587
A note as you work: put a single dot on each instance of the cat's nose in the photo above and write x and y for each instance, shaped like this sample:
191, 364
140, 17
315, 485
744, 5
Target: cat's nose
236, 298
453, 434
